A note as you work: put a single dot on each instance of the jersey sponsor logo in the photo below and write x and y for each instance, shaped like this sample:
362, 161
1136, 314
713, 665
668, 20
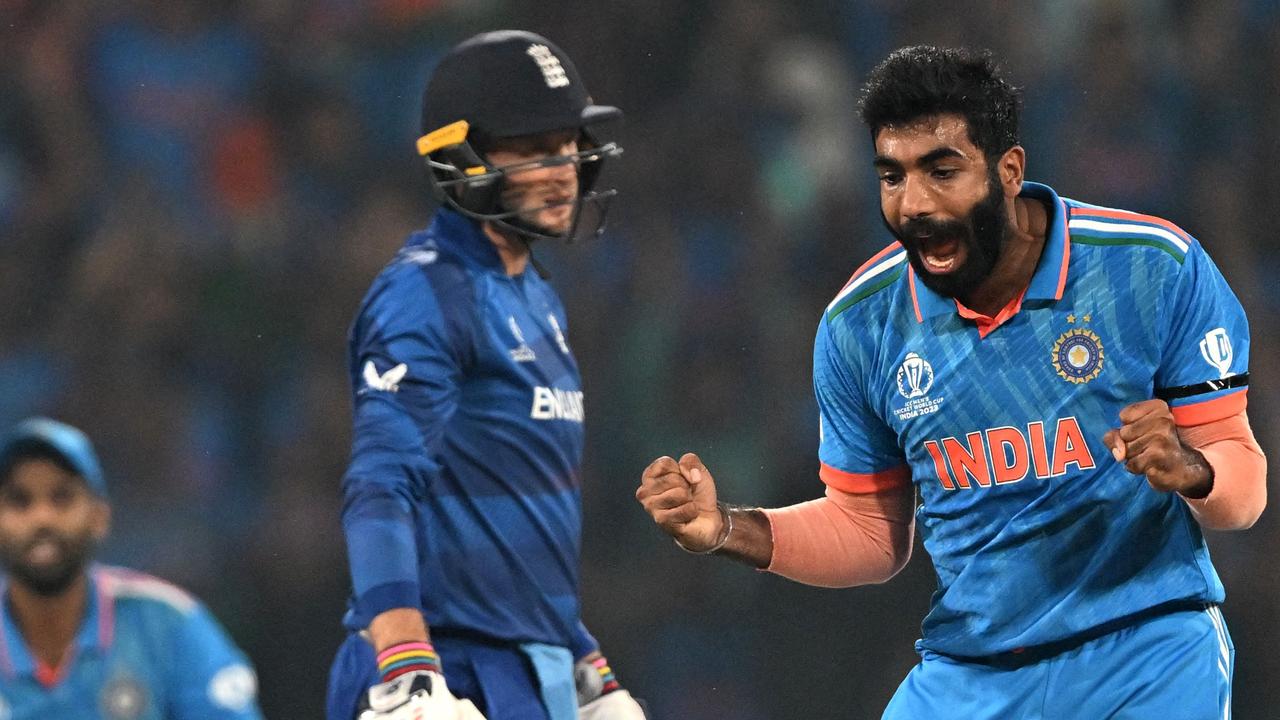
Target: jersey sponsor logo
123, 698
1078, 354
1215, 348
549, 64
521, 352
1004, 455
915, 379
555, 326
557, 404
388, 381
233, 687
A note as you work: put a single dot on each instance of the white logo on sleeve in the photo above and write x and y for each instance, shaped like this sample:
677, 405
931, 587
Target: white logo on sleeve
388, 381
233, 687
549, 64
1215, 348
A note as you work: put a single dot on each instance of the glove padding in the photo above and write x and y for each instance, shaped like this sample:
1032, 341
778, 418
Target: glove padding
617, 705
416, 695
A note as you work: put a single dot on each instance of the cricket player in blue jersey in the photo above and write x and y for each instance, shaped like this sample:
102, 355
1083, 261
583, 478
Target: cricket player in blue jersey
81, 641
462, 501
1061, 385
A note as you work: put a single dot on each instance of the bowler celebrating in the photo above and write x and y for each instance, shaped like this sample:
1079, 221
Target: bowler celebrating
1062, 385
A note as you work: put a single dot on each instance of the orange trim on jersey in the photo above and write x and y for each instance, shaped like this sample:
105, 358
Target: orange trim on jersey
987, 324
865, 482
915, 301
874, 259
1126, 215
1066, 259
1219, 408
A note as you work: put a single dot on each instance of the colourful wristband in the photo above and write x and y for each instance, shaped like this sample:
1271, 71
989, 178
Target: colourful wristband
407, 657
610, 683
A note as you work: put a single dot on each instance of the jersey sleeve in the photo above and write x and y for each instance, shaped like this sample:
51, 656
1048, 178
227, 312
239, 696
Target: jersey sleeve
1203, 372
857, 451
211, 678
582, 643
405, 372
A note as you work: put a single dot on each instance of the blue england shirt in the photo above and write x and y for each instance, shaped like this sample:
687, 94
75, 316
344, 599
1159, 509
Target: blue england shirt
145, 650
462, 496
1036, 533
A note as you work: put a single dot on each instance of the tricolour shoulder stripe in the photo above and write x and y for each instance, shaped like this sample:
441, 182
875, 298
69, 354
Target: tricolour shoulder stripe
128, 583
1091, 225
870, 278
1105, 213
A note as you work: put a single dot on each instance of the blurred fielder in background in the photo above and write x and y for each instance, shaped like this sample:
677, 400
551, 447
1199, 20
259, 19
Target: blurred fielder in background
81, 641
1062, 384
463, 507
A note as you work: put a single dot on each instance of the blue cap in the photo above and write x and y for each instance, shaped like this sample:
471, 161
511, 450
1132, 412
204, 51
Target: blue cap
66, 442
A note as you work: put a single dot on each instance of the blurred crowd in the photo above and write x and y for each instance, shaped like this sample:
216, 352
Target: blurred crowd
195, 193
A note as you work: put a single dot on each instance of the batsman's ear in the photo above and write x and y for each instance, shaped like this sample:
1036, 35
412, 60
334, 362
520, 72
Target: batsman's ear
100, 522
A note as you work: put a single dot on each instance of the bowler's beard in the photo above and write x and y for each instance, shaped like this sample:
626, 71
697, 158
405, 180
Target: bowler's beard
982, 233
53, 579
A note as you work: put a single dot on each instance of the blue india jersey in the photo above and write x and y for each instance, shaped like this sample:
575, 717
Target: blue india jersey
145, 650
462, 496
1036, 533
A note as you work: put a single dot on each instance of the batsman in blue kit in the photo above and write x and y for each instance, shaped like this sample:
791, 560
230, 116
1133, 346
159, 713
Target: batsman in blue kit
82, 641
1052, 391
462, 504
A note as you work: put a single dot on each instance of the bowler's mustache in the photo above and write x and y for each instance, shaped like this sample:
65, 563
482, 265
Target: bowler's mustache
918, 228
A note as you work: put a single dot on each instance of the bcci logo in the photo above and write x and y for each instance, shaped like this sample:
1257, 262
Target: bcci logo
1215, 348
915, 376
1077, 355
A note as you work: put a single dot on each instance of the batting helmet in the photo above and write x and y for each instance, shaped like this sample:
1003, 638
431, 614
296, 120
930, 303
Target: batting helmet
504, 84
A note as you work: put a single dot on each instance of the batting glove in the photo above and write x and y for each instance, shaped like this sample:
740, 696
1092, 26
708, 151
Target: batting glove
416, 695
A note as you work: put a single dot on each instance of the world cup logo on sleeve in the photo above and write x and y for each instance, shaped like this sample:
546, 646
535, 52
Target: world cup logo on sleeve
915, 376
1216, 350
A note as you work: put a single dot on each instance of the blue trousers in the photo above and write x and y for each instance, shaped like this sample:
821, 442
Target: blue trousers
498, 678
1174, 666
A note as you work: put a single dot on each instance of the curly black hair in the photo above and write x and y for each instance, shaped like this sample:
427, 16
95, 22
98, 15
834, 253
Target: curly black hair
923, 80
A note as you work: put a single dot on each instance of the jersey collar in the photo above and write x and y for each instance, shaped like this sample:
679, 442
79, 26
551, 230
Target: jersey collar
1050, 278
96, 632
459, 235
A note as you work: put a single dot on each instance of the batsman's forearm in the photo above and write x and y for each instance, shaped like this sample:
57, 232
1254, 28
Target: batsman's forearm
751, 540
398, 625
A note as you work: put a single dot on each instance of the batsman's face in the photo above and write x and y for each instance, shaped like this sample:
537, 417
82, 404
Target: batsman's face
544, 195
50, 524
943, 201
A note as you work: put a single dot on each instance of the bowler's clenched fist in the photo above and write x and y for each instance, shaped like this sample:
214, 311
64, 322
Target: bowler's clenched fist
681, 499
1147, 443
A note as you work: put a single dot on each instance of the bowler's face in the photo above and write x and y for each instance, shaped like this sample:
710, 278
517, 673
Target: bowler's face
50, 524
530, 190
941, 199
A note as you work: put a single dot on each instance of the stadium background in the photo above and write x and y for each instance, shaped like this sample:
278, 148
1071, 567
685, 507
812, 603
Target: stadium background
195, 193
